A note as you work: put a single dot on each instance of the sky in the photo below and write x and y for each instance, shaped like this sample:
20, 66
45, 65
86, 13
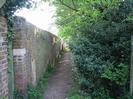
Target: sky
42, 16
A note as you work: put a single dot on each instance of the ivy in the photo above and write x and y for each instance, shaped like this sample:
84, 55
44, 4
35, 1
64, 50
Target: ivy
9, 8
7, 11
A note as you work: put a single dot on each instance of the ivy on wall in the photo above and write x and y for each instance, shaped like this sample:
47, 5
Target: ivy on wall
7, 11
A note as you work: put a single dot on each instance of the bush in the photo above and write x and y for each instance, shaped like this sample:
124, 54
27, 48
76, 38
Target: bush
118, 74
102, 93
96, 67
126, 96
19, 95
100, 43
33, 93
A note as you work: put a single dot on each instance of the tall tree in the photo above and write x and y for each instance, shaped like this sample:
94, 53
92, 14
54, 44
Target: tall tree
99, 35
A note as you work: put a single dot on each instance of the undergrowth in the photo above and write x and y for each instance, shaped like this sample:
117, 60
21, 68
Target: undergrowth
75, 93
2, 97
36, 92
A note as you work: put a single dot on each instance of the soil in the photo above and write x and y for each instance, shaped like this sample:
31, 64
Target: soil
61, 81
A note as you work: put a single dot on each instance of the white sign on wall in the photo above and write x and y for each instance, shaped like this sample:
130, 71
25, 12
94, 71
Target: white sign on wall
19, 52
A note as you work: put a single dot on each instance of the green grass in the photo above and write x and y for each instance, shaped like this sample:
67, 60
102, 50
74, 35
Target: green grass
2, 97
37, 92
75, 94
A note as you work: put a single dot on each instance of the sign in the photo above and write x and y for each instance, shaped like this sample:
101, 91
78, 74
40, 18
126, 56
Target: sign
19, 52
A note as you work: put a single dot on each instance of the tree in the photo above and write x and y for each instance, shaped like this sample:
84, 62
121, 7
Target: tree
99, 36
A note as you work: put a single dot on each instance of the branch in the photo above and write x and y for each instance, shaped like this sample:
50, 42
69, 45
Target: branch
74, 4
61, 1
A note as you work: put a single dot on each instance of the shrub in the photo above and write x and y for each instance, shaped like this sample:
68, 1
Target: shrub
118, 74
99, 36
37, 92
33, 93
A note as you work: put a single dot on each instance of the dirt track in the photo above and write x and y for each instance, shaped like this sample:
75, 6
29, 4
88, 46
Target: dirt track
61, 81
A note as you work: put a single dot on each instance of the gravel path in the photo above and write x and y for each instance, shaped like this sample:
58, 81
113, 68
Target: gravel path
61, 81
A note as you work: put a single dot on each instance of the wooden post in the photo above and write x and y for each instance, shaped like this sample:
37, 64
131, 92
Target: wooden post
131, 68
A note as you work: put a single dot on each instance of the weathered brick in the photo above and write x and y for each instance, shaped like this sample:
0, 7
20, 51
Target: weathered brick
3, 59
33, 49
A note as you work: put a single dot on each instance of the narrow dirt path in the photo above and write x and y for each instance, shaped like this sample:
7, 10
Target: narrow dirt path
61, 81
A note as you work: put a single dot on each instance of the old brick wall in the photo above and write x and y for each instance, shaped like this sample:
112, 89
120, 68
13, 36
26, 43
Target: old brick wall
34, 49
3, 59
19, 56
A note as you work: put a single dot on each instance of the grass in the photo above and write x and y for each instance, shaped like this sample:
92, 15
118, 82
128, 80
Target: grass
74, 93
37, 92
2, 97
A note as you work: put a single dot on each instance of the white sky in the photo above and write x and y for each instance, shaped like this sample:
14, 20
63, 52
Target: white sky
42, 16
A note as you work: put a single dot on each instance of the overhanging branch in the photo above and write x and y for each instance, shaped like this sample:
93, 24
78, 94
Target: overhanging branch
61, 1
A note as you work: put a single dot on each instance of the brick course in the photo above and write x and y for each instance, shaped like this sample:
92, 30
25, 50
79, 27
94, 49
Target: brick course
3, 59
33, 49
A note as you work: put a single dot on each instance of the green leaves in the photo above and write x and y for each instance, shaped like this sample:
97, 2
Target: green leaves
12, 5
38, 91
117, 74
33, 93
8, 12
99, 38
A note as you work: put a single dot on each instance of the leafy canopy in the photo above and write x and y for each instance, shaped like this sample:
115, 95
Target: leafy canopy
98, 32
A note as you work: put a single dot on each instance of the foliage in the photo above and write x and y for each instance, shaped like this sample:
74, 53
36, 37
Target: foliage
102, 94
99, 33
126, 96
117, 74
12, 6
75, 94
7, 11
2, 97
18, 95
9, 8
33, 93
36, 92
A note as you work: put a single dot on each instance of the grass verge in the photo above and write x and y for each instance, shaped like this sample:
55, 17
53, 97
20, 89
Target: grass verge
38, 91
74, 93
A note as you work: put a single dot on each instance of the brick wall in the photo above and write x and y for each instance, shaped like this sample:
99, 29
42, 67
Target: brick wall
19, 57
3, 59
33, 49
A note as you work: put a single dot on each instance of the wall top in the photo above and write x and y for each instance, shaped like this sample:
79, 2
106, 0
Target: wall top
2, 3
